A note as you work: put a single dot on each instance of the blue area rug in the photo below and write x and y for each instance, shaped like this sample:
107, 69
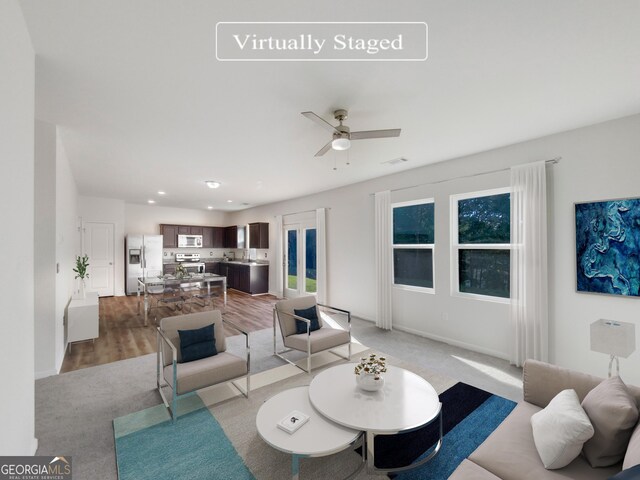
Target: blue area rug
195, 447
150, 447
469, 417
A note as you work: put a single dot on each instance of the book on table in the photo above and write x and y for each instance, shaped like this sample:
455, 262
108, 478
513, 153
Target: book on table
293, 421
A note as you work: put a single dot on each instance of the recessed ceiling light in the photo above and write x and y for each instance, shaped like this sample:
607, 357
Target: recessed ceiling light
212, 184
229, 201
210, 207
151, 201
160, 192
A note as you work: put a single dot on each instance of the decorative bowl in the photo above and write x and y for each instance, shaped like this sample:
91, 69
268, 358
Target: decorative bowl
368, 382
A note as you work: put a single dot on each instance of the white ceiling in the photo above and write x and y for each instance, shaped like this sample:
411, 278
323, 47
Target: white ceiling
143, 105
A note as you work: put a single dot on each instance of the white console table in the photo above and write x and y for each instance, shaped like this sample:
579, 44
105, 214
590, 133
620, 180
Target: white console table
83, 315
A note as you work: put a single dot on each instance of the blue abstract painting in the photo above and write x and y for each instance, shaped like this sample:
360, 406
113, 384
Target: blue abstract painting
607, 247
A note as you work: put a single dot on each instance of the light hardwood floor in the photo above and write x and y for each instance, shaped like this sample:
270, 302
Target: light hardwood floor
123, 334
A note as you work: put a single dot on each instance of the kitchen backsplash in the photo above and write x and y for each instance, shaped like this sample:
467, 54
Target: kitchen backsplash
170, 253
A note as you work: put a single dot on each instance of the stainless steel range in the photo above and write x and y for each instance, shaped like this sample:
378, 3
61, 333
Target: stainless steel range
191, 262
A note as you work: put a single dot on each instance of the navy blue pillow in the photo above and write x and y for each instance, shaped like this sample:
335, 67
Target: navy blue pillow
198, 343
632, 473
310, 313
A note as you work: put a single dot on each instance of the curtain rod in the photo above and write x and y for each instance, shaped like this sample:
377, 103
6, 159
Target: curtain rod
552, 161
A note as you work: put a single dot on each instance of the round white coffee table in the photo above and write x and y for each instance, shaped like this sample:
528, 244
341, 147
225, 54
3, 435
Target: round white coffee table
405, 403
316, 438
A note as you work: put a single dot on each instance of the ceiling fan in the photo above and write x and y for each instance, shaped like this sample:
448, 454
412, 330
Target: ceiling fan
342, 135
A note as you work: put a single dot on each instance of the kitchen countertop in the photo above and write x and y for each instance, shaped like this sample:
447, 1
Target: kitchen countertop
253, 263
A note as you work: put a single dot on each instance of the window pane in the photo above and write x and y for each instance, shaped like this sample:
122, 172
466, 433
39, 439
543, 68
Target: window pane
310, 259
485, 272
484, 219
413, 224
292, 259
413, 266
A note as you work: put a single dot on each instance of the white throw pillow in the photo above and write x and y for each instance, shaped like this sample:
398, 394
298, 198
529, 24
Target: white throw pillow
560, 430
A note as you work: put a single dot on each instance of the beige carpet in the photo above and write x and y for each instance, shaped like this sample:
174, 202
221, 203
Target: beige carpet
237, 414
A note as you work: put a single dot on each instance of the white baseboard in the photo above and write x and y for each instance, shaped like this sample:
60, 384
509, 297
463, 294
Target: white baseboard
46, 373
455, 343
34, 446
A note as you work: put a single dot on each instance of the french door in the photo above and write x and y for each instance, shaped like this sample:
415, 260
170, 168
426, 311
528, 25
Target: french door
300, 271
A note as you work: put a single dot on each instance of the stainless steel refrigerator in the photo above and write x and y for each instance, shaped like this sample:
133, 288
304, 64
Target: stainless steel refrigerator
143, 258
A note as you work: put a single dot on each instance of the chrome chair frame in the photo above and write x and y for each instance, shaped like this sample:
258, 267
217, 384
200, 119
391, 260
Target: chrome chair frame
280, 353
173, 412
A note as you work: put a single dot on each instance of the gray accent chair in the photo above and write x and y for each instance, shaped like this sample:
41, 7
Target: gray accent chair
309, 342
183, 378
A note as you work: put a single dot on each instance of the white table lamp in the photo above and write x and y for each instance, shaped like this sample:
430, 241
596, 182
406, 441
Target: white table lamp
616, 339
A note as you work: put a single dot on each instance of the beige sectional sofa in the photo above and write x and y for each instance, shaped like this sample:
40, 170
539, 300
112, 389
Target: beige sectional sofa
510, 453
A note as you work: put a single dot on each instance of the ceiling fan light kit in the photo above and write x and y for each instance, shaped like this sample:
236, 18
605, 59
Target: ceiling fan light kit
342, 134
340, 143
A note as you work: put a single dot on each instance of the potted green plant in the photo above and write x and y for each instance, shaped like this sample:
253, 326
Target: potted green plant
82, 264
369, 372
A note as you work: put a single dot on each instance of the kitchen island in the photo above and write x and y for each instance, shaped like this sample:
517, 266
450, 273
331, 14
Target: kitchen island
169, 280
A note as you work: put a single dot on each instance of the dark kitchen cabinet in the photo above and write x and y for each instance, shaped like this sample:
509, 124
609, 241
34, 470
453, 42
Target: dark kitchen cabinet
169, 236
218, 237
243, 278
258, 279
207, 237
184, 230
195, 230
252, 279
212, 237
212, 267
229, 270
259, 235
231, 237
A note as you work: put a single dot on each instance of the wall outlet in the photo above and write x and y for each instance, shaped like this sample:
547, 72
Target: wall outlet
265, 254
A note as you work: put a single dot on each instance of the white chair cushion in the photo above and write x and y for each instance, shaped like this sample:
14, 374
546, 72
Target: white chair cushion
560, 430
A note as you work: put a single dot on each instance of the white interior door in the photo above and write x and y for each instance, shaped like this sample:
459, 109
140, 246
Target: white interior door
97, 243
299, 260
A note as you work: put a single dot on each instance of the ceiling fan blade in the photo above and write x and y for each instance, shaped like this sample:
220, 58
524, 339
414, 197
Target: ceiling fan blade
324, 149
320, 121
393, 132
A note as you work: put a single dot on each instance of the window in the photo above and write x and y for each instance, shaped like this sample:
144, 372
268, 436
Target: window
413, 243
481, 244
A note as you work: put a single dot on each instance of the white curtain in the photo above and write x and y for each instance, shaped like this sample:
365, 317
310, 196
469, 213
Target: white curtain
529, 309
321, 255
383, 259
278, 290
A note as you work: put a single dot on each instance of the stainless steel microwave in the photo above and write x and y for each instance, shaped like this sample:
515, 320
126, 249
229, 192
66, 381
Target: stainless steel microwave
191, 241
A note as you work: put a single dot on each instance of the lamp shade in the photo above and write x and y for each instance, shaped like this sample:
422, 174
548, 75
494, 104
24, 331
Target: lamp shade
613, 337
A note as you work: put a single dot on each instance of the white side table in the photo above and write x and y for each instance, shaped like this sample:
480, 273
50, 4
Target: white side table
83, 316
316, 438
405, 403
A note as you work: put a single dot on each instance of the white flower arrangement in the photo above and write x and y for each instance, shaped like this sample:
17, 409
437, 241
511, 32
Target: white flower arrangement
372, 365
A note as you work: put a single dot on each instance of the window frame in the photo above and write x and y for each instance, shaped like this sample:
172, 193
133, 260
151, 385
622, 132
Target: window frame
456, 247
407, 246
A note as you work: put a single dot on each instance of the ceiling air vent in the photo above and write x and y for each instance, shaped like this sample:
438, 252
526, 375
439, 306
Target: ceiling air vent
395, 161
